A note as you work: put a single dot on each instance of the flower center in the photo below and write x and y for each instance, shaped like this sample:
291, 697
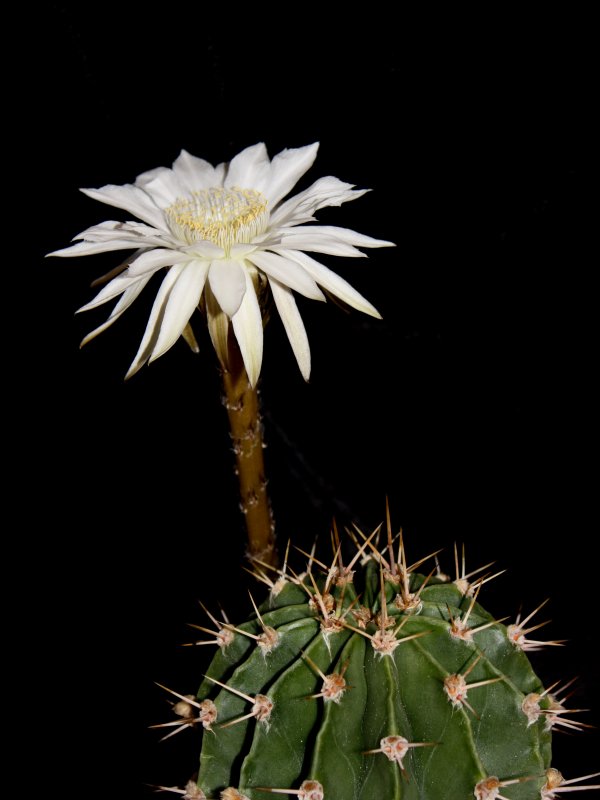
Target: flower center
222, 216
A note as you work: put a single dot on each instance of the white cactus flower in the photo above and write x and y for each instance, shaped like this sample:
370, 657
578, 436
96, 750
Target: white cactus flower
224, 232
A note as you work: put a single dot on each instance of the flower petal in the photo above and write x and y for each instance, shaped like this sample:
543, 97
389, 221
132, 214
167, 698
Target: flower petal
317, 244
341, 234
112, 273
328, 191
113, 289
240, 251
333, 283
218, 326
154, 259
194, 173
162, 185
92, 248
154, 321
182, 300
132, 199
111, 229
294, 327
205, 249
287, 168
249, 168
248, 329
129, 295
220, 173
287, 272
228, 282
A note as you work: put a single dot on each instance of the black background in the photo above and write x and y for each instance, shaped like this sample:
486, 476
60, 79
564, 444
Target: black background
469, 405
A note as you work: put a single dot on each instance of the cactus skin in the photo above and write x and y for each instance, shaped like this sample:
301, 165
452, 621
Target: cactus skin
407, 693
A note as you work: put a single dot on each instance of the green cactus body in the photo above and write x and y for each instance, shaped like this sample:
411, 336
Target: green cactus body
330, 692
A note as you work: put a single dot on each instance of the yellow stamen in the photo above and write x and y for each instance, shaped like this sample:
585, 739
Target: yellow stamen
222, 216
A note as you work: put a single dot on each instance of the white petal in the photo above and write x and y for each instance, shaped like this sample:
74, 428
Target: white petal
328, 191
228, 282
112, 273
341, 234
183, 299
220, 173
294, 327
240, 251
130, 198
111, 229
287, 272
194, 173
286, 170
129, 295
205, 249
91, 248
332, 282
145, 177
318, 244
113, 289
154, 321
248, 329
218, 325
248, 169
152, 260
162, 185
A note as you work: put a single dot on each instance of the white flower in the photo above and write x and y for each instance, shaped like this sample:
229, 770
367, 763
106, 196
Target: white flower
224, 232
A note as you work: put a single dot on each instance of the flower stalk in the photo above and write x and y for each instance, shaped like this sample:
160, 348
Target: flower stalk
219, 236
243, 409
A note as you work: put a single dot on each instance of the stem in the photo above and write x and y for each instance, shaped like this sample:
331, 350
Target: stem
243, 410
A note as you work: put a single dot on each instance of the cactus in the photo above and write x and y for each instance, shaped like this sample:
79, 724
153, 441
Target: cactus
373, 681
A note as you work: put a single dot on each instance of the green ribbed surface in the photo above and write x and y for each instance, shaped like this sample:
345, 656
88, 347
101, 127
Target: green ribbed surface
401, 694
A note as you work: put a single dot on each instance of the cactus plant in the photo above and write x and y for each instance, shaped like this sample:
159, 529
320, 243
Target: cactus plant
369, 681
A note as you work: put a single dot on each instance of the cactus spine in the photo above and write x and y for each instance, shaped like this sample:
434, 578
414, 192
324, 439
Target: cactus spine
372, 681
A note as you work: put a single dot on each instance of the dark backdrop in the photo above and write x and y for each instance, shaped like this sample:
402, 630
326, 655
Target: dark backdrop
469, 405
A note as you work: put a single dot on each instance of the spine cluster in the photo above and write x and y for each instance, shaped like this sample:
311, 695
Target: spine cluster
370, 679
